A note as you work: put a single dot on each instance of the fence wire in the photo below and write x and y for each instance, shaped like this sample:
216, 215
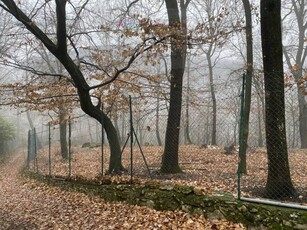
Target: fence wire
275, 161
208, 144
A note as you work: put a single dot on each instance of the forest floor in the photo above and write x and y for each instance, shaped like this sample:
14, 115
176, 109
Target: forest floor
207, 168
28, 204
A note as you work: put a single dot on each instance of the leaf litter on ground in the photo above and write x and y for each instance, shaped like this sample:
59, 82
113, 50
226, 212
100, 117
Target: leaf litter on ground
28, 204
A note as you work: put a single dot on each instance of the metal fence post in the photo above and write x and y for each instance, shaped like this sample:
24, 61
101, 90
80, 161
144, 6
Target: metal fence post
131, 140
49, 148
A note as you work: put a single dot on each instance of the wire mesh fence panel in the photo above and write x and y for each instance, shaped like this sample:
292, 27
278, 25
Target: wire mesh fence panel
207, 140
276, 167
206, 151
31, 149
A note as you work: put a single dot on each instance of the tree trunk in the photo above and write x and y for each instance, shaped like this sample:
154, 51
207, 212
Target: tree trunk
279, 184
302, 118
123, 132
170, 158
187, 138
59, 50
248, 87
294, 117
260, 115
299, 8
63, 132
115, 121
89, 130
115, 166
261, 105
302, 104
213, 97
117, 128
157, 122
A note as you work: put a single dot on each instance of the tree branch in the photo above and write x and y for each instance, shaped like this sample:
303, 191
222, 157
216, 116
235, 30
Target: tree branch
32, 70
75, 49
136, 53
13, 9
130, 5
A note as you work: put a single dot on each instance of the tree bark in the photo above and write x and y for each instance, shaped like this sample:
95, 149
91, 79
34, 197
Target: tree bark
302, 118
123, 131
213, 97
260, 115
170, 158
279, 184
248, 87
157, 121
63, 132
187, 138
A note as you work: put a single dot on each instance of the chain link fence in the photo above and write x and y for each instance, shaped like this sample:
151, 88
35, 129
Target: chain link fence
209, 134
276, 163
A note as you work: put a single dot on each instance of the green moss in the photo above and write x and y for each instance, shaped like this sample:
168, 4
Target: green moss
165, 196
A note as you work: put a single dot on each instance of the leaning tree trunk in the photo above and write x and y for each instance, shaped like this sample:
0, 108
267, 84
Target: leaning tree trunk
115, 165
58, 47
279, 184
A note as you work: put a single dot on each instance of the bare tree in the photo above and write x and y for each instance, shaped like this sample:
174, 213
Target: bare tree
57, 44
170, 158
295, 54
248, 88
279, 184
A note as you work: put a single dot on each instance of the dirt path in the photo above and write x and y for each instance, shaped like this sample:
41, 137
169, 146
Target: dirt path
27, 204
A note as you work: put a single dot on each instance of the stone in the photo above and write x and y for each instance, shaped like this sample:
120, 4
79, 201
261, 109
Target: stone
254, 210
258, 218
287, 223
166, 186
150, 203
198, 191
217, 214
300, 226
243, 209
184, 189
198, 211
186, 208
